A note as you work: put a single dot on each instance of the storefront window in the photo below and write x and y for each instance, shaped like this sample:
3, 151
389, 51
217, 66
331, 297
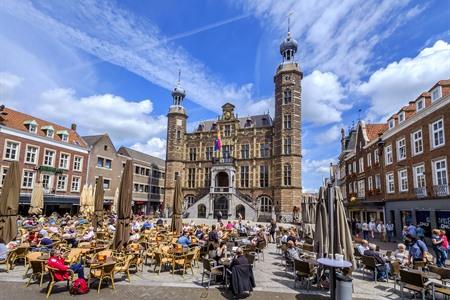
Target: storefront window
423, 220
443, 221
406, 217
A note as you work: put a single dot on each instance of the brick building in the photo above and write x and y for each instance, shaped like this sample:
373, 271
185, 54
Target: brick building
47, 152
258, 170
148, 175
398, 171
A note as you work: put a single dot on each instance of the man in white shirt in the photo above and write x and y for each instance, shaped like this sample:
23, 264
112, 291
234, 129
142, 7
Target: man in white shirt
390, 231
363, 247
372, 228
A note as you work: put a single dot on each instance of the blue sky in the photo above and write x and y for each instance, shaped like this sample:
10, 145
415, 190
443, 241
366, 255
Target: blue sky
109, 66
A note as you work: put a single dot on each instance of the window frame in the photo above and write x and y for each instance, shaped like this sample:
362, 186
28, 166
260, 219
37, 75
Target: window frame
399, 152
30, 187
435, 177
402, 179
389, 182
432, 132
65, 182
415, 176
72, 182
17, 153
74, 162
53, 158
414, 142
67, 167
36, 155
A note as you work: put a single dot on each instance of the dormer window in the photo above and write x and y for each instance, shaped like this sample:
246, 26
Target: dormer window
200, 127
401, 117
64, 135
49, 131
214, 126
31, 125
265, 121
391, 123
420, 104
436, 93
248, 123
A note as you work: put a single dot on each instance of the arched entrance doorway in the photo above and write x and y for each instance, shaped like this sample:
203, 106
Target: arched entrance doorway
221, 204
222, 179
240, 211
201, 211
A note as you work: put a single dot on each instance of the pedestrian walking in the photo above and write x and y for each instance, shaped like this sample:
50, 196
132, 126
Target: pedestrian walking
390, 231
365, 230
372, 228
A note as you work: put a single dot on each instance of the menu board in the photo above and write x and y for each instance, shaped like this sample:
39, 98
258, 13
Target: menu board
443, 220
423, 220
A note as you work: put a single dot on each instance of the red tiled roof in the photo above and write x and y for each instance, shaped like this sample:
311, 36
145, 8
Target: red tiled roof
15, 119
373, 130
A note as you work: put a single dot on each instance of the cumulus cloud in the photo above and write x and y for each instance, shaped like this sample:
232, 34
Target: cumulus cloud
322, 98
126, 121
336, 36
331, 134
392, 87
154, 146
321, 166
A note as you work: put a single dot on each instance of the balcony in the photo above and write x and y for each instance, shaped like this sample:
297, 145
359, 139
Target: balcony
222, 190
421, 192
223, 161
441, 190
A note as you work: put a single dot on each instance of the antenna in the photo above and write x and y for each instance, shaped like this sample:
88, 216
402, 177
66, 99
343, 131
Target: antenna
179, 75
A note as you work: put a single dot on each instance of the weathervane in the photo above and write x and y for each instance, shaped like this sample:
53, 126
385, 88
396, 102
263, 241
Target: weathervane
289, 21
179, 75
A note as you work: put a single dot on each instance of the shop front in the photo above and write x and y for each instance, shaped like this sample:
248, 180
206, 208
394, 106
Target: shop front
52, 203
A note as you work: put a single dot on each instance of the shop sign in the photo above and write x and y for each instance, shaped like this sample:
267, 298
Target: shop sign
50, 170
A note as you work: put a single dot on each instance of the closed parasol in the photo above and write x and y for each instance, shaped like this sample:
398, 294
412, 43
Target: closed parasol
9, 203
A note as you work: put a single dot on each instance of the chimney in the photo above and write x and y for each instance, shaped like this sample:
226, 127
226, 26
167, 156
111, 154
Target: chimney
73, 127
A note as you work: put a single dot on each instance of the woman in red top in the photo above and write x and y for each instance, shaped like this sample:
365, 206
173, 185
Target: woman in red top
56, 261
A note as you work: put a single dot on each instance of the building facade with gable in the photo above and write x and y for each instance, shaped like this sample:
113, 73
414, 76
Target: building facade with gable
46, 152
398, 171
256, 174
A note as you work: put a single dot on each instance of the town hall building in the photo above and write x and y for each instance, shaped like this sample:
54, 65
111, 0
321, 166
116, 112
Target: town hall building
256, 173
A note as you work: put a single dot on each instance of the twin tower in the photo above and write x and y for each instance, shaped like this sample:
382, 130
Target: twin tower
257, 173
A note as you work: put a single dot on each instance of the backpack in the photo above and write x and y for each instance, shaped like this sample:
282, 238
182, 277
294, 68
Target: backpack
79, 287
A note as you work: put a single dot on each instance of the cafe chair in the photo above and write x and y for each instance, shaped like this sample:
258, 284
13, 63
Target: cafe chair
304, 271
210, 271
38, 271
102, 272
441, 289
161, 260
369, 263
395, 272
124, 267
185, 261
20, 253
8, 262
414, 282
53, 280
443, 272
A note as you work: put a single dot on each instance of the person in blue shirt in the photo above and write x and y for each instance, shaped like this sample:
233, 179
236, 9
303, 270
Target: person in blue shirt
417, 249
412, 230
184, 239
3, 250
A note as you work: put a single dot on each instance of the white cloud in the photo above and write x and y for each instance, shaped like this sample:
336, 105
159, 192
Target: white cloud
132, 43
322, 98
336, 36
328, 136
319, 167
125, 121
155, 146
391, 88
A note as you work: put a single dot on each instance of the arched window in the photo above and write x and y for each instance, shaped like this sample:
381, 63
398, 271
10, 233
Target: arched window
287, 174
201, 211
189, 201
287, 96
265, 204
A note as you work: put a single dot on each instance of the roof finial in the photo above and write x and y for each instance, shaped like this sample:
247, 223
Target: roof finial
289, 22
179, 75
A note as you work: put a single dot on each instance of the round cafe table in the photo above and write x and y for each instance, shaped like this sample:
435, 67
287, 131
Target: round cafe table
333, 264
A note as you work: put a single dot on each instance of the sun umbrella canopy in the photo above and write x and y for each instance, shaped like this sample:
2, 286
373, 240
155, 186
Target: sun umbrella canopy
9, 203
37, 199
124, 207
321, 238
115, 202
177, 223
99, 194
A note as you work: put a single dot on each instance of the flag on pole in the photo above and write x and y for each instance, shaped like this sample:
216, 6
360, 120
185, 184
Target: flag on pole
218, 143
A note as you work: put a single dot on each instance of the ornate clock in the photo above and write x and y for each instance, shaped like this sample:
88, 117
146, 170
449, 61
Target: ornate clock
227, 115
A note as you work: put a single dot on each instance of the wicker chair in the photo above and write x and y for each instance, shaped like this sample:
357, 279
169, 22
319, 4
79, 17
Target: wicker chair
395, 272
369, 263
20, 253
31, 256
304, 271
161, 259
124, 267
53, 280
211, 271
185, 261
38, 271
102, 272
8, 261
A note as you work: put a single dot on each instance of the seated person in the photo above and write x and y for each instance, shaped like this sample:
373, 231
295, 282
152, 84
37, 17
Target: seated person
159, 222
383, 269
221, 251
292, 252
239, 259
45, 241
88, 236
56, 261
3, 250
184, 240
401, 254
135, 236
229, 225
292, 236
363, 247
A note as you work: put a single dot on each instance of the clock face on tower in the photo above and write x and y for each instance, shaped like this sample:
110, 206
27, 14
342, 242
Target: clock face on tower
227, 115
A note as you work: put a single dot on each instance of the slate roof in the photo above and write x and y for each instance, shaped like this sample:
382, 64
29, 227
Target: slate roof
258, 121
134, 154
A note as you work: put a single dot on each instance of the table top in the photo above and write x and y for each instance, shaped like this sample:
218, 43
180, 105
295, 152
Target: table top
427, 274
225, 261
334, 263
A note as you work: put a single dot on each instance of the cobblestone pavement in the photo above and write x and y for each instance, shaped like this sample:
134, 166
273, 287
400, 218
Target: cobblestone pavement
272, 282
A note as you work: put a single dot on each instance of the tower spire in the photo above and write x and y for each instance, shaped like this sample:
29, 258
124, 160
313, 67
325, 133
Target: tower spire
289, 46
289, 22
179, 76
178, 93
